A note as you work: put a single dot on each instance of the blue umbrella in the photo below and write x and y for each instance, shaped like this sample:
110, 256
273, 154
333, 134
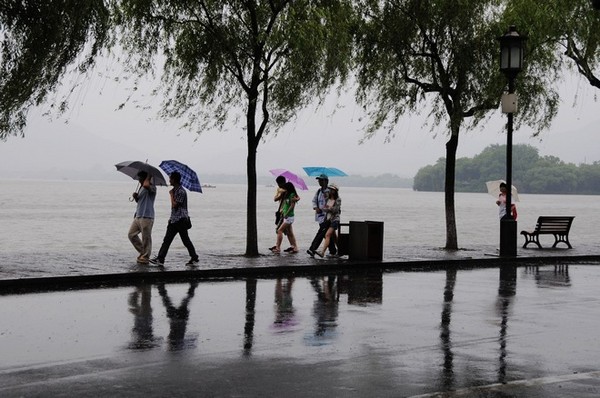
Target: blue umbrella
189, 178
328, 171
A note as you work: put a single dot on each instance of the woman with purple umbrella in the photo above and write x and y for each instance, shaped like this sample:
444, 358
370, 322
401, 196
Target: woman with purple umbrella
287, 219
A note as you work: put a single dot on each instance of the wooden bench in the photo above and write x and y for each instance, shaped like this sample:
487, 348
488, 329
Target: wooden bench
558, 226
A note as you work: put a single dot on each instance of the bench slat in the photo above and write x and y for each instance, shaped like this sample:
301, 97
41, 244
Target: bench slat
559, 226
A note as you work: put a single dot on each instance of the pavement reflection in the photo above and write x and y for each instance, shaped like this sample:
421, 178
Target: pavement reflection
491, 332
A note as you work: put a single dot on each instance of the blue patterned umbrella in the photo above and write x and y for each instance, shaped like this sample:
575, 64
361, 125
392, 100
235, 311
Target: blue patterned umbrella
328, 171
189, 178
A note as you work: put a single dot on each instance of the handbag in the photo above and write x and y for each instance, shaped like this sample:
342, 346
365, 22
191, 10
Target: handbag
277, 217
188, 223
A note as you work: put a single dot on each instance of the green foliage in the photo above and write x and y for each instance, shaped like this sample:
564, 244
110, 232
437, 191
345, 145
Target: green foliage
438, 55
531, 173
568, 28
39, 40
263, 59
431, 178
442, 55
223, 56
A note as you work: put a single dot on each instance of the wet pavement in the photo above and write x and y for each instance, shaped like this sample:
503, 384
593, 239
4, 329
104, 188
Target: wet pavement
42, 271
422, 322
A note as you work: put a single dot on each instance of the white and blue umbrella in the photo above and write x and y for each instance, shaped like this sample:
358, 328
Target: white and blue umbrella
328, 171
189, 178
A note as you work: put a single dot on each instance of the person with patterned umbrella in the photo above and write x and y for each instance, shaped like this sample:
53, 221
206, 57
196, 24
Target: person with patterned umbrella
179, 222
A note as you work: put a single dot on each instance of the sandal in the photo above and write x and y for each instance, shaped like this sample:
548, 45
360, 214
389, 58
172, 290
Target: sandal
274, 250
290, 250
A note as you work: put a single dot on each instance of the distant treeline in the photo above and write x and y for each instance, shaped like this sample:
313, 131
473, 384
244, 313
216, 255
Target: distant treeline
380, 181
532, 173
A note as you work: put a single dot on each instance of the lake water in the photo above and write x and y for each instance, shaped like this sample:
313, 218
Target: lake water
375, 334
76, 217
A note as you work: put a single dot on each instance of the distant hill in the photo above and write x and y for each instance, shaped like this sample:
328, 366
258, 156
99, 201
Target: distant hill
532, 173
380, 181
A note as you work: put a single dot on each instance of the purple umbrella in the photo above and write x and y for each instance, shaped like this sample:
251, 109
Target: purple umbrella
291, 177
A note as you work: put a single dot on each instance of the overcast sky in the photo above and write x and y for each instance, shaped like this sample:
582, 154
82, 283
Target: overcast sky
97, 136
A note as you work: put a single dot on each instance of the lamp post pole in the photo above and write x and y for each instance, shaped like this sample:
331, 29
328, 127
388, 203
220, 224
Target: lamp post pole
511, 63
508, 225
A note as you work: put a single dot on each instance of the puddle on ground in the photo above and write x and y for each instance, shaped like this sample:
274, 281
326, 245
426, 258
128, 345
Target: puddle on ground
441, 329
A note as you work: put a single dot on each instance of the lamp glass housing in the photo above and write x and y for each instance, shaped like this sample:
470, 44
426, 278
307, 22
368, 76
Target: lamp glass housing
511, 52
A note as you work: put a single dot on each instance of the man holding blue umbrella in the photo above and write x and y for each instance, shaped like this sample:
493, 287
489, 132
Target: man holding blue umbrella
319, 201
178, 223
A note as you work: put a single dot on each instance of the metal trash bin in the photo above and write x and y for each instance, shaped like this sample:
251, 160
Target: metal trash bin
366, 240
343, 240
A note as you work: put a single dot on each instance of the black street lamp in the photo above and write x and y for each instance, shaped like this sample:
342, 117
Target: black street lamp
596, 4
511, 63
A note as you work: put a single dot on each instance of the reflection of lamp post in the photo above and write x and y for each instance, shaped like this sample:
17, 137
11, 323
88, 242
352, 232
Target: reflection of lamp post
511, 63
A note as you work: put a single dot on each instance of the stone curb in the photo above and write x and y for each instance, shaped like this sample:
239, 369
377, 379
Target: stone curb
77, 282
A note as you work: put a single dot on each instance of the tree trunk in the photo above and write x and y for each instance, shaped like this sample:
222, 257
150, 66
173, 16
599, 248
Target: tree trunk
451, 146
251, 227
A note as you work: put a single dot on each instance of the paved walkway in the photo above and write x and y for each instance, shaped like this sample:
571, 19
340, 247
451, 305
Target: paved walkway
37, 272
469, 343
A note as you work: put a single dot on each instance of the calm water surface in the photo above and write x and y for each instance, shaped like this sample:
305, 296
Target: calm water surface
94, 217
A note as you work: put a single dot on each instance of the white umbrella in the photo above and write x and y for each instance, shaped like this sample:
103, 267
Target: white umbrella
493, 188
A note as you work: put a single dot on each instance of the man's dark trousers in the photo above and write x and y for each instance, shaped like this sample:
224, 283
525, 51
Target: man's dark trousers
323, 227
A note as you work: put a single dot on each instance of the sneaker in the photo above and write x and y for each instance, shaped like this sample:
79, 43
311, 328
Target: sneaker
157, 261
311, 253
193, 261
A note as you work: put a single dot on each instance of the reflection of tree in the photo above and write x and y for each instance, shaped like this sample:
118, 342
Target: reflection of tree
250, 314
325, 308
139, 305
178, 317
506, 291
284, 308
445, 340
